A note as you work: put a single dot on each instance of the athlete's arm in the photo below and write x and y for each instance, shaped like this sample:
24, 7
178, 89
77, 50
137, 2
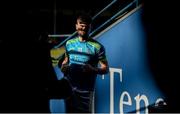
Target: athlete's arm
65, 61
65, 66
102, 69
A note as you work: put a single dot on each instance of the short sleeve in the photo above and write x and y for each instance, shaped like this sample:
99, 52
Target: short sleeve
102, 54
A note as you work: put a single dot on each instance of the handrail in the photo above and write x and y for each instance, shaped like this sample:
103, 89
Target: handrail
109, 20
64, 41
59, 35
104, 9
75, 33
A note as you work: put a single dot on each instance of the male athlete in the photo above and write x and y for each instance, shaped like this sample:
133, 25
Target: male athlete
84, 59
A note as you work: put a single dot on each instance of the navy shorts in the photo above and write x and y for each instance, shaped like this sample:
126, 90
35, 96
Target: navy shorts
80, 102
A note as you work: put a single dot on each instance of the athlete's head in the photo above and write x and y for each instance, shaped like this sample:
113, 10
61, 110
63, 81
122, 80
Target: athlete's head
83, 25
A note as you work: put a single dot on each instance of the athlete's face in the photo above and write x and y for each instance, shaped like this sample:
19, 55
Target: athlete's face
83, 28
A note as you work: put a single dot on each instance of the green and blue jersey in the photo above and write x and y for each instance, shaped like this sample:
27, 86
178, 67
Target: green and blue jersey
79, 54
88, 52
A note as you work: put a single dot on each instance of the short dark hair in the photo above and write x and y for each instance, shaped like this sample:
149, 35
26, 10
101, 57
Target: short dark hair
85, 18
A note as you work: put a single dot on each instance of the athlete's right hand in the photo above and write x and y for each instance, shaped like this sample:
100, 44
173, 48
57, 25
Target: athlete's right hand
65, 68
